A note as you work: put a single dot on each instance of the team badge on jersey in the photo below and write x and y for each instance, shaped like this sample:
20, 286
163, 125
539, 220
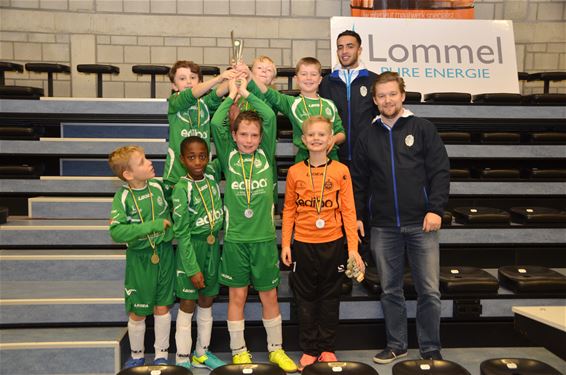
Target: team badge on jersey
160, 201
328, 112
363, 91
409, 140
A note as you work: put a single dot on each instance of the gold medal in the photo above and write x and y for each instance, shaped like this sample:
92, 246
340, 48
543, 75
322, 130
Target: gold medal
155, 258
211, 239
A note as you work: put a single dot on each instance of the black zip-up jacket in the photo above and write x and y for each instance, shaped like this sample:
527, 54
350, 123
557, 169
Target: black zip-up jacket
354, 102
401, 173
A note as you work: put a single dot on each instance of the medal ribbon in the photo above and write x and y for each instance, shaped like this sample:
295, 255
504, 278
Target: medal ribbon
307, 108
211, 219
317, 203
246, 186
151, 243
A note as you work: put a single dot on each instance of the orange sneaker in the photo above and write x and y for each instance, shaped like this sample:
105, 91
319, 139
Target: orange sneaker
327, 357
306, 360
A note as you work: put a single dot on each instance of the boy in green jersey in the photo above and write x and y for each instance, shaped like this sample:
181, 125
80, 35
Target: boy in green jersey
140, 217
189, 113
250, 251
309, 103
197, 216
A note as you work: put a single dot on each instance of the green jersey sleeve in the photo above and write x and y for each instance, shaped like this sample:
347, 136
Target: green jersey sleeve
220, 130
268, 140
123, 231
280, 102
182, 225
180, 101
214, 168
212, 101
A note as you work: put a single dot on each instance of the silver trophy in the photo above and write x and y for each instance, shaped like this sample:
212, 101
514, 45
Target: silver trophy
237, 48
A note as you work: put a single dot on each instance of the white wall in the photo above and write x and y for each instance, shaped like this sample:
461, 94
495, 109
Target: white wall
130, 32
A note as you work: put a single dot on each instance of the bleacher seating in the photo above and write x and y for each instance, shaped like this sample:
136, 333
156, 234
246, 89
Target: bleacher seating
50, 69
65, 247
99, 70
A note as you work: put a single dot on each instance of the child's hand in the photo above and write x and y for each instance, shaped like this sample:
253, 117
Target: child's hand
228, 74
331, 144
244, 69
198, 280
166, 224
233, 88
242, 84
286, 256
358, 259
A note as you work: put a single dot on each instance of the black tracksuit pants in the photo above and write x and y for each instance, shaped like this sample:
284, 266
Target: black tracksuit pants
317, 283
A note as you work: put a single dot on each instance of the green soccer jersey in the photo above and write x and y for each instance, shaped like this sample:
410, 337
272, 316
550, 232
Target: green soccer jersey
300, 108
187, 117
238, 227
127, 226
193, 202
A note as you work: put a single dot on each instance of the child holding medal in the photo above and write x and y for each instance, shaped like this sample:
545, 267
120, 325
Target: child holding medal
140, 217
249, 254
319, 201
197, 217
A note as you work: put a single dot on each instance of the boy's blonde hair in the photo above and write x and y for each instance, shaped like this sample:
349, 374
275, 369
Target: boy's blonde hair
308, 61
119, 159
267, 59
314, 119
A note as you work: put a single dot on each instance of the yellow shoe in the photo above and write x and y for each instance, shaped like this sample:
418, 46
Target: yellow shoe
281, 359
242, 358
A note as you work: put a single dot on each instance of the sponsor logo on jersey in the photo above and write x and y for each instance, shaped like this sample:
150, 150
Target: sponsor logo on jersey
313, 202
130, 291
141, 305
223, 275
185, 290
142, 197
193, 132
204, 220
256, 184
180, 272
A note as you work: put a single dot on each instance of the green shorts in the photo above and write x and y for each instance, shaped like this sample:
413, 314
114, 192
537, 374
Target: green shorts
208, 259
255, 263
148, 285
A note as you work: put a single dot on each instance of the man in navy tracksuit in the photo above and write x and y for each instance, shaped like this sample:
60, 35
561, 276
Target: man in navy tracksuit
400, 166
348, 86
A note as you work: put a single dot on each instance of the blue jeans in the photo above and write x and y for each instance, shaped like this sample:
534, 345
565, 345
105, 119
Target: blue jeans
389, 246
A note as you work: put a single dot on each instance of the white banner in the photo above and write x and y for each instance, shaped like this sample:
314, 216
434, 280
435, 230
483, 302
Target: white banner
432, 55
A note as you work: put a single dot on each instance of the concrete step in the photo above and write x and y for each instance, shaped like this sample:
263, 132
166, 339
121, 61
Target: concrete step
69, 207
34, 232
62, 265
62, 350
102, 146
109, 185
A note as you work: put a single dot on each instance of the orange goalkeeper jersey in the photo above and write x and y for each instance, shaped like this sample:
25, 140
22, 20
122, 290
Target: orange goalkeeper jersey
338, 208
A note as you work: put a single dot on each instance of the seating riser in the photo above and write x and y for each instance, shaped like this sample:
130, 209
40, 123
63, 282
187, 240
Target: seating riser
62, 270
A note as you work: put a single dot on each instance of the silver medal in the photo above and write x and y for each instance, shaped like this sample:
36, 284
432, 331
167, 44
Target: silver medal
249, 213
320, 223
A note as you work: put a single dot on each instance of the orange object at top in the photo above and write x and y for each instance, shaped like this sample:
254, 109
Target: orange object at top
336, 207
444, 9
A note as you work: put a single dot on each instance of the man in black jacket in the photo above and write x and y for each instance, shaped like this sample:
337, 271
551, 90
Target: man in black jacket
400, 172
348, 86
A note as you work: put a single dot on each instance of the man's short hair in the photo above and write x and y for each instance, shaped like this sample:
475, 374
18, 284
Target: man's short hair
388, 77
192, 66
250, 116
314, 119
350, 33
308, 61
119, 159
